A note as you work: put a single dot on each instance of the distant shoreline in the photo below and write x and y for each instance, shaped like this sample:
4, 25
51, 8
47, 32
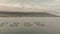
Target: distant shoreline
26, 14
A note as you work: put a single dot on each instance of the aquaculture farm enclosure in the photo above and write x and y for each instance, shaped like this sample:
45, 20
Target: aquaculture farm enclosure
29, 25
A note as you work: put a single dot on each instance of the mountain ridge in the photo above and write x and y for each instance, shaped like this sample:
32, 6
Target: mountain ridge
24, 14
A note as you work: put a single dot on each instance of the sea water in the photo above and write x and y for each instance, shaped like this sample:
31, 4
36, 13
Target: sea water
29, 25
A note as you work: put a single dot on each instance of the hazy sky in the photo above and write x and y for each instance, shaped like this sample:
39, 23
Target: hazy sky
49, 5
34, 3
31, 3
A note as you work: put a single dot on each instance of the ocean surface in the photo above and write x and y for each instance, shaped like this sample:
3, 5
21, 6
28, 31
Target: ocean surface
29, 25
